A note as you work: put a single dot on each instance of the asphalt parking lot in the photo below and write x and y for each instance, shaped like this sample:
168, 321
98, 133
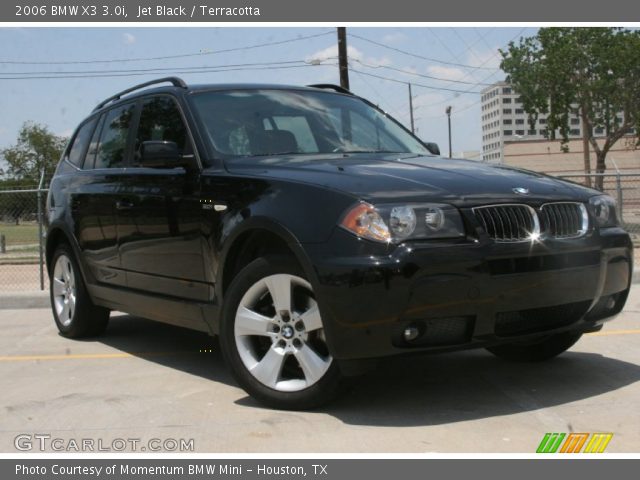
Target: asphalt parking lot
145, 380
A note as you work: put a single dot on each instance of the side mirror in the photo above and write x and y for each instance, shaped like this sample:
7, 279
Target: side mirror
433, 148
160, 154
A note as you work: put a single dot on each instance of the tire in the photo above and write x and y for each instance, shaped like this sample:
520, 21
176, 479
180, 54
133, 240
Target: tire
537, 350
73, 311
272, 337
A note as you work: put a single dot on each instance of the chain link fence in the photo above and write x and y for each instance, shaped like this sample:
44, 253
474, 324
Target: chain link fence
21, 240
624, 187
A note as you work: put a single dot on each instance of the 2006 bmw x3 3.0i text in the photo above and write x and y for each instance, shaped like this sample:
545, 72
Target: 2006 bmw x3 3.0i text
315, 235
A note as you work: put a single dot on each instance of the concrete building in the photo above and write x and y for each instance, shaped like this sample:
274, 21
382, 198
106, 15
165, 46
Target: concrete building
504, 120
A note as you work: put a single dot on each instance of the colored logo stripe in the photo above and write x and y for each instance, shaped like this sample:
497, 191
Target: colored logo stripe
574, 443
550, 442
598, 442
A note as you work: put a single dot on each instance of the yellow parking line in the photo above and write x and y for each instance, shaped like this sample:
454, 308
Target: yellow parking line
25, 358
615, 332
91, 356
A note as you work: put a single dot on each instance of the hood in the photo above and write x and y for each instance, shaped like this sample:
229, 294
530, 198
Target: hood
409, 177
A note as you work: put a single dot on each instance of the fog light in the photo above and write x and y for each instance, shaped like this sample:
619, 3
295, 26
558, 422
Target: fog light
411, 333
611, 303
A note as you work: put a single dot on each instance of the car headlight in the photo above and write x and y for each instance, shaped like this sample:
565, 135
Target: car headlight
603, 209
395, 223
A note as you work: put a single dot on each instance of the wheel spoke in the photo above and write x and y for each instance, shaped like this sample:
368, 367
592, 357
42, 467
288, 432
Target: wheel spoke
267, 370
72, 305
58, 287
68, 273
311, 318
313, 366
280, 289
249, 322
64, 314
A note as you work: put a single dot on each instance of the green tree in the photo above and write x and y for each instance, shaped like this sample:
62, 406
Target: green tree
593, 73
37, 149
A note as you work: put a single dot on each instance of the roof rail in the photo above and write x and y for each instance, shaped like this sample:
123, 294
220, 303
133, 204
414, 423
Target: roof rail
177, 82
330, 86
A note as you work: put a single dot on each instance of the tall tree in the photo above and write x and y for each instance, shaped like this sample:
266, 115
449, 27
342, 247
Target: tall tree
37, 149
592, 73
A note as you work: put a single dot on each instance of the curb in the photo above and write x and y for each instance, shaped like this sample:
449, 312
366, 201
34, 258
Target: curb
37, 299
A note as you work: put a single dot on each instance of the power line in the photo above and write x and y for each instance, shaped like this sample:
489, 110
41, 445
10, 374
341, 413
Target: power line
416, 74
485, 78
422, 57
431, 87
168, 57
109, 75
151, 70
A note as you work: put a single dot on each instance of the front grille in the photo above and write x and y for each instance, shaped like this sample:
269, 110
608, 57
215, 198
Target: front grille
563, 220
518, 222
508, 223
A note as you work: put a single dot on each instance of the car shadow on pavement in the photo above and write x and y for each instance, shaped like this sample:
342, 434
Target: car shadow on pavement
190, 351
410, 391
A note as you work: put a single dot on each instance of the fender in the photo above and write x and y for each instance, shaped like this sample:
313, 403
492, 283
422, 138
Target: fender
274, 227
60, 225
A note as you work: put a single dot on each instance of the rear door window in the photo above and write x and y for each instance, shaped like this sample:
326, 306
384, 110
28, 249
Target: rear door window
112, 147
80, 142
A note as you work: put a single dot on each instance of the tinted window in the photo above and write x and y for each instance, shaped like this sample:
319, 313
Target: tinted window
113, 139
80, 142
161, 120
93, 145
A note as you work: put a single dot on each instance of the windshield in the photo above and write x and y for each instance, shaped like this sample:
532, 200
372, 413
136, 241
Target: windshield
242, 123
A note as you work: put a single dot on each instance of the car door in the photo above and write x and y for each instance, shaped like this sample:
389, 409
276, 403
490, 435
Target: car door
93, 203
159, 211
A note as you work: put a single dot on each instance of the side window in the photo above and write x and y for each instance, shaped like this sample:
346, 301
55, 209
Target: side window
113, 139
93, 145
78, 148
161, 120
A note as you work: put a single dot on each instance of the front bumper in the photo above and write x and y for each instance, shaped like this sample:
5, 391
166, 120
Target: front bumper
465, 295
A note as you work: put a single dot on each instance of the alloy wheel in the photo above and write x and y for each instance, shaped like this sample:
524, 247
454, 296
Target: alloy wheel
279, 335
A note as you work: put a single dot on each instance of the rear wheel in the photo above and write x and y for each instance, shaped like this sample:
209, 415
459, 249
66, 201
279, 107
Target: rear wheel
537, 350
73, 311
272, 336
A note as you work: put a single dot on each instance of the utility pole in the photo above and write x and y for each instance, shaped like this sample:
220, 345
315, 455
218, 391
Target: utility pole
448, 110
413, 130
342, 57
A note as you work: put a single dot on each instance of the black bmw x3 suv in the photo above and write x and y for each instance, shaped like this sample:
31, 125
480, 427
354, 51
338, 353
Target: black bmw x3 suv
315, 235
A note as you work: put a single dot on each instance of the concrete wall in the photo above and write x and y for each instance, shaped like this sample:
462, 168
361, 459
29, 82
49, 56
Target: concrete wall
546, 156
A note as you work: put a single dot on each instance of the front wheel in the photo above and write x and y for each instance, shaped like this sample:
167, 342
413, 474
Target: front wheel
537, 350
272, 336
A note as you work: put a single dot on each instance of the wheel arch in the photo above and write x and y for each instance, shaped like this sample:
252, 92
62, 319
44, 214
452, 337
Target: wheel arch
255, 237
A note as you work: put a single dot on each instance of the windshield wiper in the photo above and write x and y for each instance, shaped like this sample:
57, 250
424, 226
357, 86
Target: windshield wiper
368, 151
272, 154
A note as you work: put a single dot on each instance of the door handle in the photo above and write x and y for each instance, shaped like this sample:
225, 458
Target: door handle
124, 205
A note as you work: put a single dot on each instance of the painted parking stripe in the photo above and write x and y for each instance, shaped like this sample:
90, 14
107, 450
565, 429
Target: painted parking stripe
86, 356
615, 332
89, 356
